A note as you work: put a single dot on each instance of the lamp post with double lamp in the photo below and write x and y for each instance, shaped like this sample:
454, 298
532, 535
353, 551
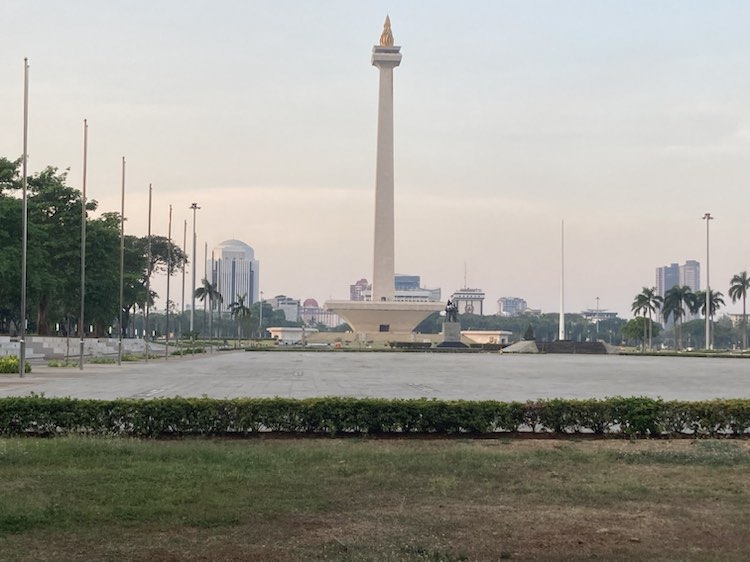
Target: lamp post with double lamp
708, 218
194, 207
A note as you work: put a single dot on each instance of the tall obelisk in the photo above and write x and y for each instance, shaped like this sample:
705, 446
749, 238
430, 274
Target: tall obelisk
385, 57
383, 315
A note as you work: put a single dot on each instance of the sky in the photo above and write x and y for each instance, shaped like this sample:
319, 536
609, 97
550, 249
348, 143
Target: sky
629, 120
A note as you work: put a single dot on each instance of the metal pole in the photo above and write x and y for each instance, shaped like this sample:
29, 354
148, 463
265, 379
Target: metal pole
169, 275
184, 247
81, 324
205, 298
260, 323
122, 259
148, 274
597, 317
707, 217
561, 328
194, 207
25, 234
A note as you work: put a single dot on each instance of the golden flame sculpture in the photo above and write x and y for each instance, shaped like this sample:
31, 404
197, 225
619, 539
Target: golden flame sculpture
386, 38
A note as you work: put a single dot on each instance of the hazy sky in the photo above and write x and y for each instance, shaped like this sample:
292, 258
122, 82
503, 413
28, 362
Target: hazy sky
627, 119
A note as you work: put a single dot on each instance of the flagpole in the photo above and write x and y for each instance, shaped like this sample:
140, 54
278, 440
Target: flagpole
184, 249
122, 259
561, 334
169, 275
24, 245
148, 274
81, 322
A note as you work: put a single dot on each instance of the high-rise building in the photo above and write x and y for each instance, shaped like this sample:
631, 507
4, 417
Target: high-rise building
687, 274
289, 306
666, 278
407, 282
234, 270
407, 289
511, 306
357, 291
690, 275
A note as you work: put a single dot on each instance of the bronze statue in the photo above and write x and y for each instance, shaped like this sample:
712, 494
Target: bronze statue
451, 311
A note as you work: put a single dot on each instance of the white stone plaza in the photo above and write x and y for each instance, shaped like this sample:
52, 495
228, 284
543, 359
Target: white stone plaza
470, 376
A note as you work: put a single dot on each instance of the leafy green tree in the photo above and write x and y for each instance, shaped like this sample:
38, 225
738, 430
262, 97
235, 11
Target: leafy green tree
639, 328
10, 249
55, 229
102, 271
646, 303
53, 256
738, 287
677, 301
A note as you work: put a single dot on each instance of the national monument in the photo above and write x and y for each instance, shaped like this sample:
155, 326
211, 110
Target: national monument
383, 314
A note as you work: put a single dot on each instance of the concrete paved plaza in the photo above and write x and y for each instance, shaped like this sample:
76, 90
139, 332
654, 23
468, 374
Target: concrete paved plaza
394, 375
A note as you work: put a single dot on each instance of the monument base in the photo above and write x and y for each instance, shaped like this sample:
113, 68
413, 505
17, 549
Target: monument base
452, 335
383, 317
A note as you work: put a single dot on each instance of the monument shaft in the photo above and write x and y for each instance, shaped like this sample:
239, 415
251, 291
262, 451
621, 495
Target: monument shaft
385, 58
384, 315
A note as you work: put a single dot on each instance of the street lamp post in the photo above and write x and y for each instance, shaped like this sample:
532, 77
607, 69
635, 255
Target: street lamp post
597, 317
25, 219
122, 261
708, 218
81, 329
194, 207
260, 323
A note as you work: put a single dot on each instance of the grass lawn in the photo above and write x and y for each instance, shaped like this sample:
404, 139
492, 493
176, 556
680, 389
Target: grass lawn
351, 499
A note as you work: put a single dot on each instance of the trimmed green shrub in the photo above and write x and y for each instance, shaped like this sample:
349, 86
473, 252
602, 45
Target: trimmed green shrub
62, 363
618, 416
99, 360
12, 364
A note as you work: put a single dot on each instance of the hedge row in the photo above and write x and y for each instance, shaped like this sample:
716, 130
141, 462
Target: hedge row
633, 417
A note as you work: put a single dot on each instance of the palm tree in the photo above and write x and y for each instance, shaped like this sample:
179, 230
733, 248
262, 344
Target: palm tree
738, 288
676, 300
646, 303
716, 299
209, 291
239, 311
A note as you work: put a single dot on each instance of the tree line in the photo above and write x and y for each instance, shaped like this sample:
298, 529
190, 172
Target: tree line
681, 300
54, 258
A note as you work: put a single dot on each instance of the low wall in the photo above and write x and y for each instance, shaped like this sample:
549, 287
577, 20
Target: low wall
49, 347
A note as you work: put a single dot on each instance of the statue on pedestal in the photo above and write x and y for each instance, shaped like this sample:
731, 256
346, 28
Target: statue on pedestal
451, 311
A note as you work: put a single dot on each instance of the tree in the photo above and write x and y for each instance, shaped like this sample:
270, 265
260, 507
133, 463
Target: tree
738, 287
637, 329
716, 300
208, 291
646, 303
677, 301
240, 312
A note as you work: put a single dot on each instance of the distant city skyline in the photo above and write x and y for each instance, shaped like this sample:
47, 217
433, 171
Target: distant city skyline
628, 120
